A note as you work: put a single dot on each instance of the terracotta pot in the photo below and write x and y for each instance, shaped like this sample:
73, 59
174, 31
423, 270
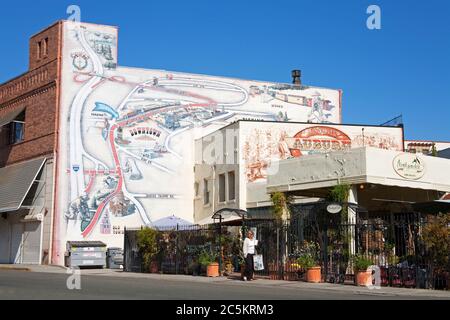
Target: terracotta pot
364, 278
212, 270
314, 275
154, 267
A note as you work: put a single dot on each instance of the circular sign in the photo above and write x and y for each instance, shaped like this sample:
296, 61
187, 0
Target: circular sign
334, 208
409, 166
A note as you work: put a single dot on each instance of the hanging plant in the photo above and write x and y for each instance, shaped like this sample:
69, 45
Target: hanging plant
279, 205
339, 193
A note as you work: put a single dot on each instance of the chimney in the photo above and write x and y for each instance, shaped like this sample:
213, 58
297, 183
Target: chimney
297, 77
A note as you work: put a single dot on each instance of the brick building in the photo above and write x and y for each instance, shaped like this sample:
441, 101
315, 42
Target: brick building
28, 136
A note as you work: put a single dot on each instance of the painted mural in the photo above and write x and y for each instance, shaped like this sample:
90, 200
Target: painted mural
127, 135
272, 142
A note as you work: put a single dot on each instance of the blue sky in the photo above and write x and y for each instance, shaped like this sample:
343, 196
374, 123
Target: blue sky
404, 68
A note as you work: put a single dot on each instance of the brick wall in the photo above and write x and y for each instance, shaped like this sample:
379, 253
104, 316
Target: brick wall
37, 91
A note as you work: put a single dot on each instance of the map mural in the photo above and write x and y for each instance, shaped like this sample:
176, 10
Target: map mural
127, 135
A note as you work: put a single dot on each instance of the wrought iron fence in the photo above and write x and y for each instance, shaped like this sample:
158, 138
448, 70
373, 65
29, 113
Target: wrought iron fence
179, 249
392, 242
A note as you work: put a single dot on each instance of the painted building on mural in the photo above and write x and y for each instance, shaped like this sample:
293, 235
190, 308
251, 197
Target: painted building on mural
232, 164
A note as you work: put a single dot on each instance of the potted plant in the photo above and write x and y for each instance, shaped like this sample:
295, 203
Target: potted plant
208, 260
147, 241
363, 276
308, 262
313, 271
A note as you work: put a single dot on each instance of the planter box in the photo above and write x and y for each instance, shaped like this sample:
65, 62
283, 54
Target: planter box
212, 270
314, 275
364, 278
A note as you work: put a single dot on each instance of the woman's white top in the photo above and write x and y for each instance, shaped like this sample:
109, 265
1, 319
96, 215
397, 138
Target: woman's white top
249, 246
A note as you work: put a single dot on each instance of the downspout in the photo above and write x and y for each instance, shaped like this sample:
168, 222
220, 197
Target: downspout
54, 232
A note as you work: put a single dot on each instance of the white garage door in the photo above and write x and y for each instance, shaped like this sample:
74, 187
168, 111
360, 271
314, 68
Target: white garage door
16, 243
31, 243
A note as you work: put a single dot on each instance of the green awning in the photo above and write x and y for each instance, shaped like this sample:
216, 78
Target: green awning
16, 182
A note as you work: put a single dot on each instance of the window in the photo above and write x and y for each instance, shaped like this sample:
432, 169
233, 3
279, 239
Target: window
18, 129
46, 46
205, 192
13, 132
196, 187
222, 188
39, 49
231, 186
17, 132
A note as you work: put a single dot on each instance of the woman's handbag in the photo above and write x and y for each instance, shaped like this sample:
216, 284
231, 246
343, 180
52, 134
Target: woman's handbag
258, 263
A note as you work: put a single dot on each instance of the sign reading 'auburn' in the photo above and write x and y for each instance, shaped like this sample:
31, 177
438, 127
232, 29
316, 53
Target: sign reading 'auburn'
318, 139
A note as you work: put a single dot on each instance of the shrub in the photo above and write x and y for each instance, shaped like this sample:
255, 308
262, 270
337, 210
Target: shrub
147, 241
361, 263
308, 255
306, 261
436, 236
206, 258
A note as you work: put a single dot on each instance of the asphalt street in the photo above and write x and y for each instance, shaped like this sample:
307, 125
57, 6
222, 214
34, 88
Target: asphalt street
16, 285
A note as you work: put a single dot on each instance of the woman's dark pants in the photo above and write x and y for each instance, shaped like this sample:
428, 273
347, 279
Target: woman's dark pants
249, 268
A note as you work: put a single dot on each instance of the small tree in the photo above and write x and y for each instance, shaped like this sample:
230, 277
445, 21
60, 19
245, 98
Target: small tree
147, 241
436, 236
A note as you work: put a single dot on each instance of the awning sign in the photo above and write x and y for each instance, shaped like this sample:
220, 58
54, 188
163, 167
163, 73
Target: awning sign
409, 166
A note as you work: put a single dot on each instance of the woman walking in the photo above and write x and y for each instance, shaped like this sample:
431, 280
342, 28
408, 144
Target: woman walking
249, 251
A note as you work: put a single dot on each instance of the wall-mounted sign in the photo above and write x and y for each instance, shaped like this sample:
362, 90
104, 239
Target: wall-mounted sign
334, 208
409, 166
318, 139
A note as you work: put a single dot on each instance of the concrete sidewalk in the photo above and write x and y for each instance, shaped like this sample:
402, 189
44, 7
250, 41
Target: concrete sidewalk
267, 284
234, 281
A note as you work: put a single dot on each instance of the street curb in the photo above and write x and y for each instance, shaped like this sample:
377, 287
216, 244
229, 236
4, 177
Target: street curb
58, 266
8, 268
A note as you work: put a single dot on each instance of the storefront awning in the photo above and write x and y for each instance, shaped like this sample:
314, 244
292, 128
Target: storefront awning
433, 207
224, 216
10, 116
15, 183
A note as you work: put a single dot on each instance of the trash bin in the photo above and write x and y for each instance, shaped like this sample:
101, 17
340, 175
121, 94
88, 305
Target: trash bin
114, 258
85, 254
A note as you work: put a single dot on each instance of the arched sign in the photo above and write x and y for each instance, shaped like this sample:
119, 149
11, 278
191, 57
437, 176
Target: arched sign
319, 139
409, 166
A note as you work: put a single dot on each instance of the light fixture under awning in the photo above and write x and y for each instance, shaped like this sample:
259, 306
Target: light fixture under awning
16, 182
10, 116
